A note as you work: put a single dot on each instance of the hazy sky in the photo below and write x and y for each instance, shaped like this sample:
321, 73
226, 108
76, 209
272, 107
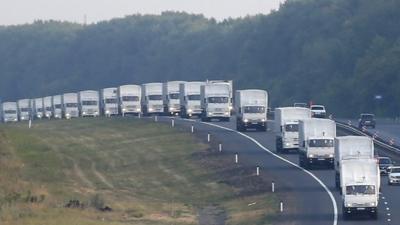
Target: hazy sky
26, 11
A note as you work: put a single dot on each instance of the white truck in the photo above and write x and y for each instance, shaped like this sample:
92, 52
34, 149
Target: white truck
360, 179
24, 109
286, 127
171, 101
215, 103
48, 106
190, 102
351, 147
251, 109
109, 101
9, 111
152, 100
230, 85
89, 103
57, 106
38, 108
70, 105
316, 142
130, 97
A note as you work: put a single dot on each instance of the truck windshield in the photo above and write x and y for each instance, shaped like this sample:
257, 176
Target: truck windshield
111, 100
57, 106
173, 96
130, 98
291, 127
71, 105
317, 108
367, 117
395, 170
254, 109
155, 97
39, 110
25, 109
385, 161
10, 111
218, 99
320, 143
89, 102
360, 190
48, 108
193, 97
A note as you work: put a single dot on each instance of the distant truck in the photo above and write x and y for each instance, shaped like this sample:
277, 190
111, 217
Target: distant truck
109, 101
190, 102
251, 109
48, 106
351, 147
215, 103
57, 106
70, 106
360, 184
24, 109
171, 99
316, 142
230, 85
130, 97
152, 100
89, 103
287, 127
38, 109
9, 111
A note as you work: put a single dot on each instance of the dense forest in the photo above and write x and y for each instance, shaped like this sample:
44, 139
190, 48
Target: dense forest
341, 53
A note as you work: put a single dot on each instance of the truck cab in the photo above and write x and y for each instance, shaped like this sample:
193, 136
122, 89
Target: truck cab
57, 106
316, 140
24, 109
215, 102
250, 107
89, 103
70, 105
152, 101
230, 86
130, 97
48, 106
9, 112
171, 99
109, 102
38, 108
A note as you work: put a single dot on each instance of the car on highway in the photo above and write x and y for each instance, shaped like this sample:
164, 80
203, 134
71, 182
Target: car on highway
384, 164
394, 175
318, 111
366, 120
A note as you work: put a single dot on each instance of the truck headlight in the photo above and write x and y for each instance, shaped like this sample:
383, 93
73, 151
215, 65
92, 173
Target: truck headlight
107, 111
372, 204
83, 113
230, 107
150, 109
124, 109
226, 113
246, 120
210, 113
137, 110
330, 155
96, 113
263, 120
22, 118
171, 109
348, 204
15, 119
190, 110
310, 156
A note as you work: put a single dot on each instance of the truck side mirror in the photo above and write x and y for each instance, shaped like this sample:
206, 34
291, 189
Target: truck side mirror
304, 144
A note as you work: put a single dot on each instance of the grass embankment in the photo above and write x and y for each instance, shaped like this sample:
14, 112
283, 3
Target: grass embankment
145, 172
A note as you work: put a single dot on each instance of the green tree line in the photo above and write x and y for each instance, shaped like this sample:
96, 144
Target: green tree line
340, 53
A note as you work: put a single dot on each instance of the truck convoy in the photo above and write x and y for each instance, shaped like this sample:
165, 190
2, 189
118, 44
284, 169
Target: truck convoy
287, 127
215, 101
109, 102
316, 142
189, 93
251, 109
89, 103
38, 108
130, 97
9, 111
57, 106
48, 107
171, 99
70, 105
152, 100
357, 175
24, 109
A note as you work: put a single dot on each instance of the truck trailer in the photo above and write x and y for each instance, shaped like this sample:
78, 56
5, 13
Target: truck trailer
38, 109
24, 109
70, 106
109, 102
215, 101
89, 103
130, 97
230, 85
48, 106
171, 101
190, 102
251, 109
57, 106
152, 100
9, 112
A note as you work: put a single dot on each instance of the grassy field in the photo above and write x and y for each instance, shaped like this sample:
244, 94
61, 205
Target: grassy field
144, 172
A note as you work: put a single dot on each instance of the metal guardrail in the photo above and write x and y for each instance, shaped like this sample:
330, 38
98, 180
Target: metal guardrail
377, 140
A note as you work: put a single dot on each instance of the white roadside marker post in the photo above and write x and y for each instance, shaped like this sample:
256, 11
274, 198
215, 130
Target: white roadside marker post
258, 170
220, 147
236, 158
208, 137
192, 129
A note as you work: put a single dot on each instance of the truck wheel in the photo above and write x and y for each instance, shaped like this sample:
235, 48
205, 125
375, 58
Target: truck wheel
337, 181
374, 215
346, 216
301, 163
278, 145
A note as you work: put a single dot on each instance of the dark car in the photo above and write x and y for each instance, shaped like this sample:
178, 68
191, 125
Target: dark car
384, 164
366, 120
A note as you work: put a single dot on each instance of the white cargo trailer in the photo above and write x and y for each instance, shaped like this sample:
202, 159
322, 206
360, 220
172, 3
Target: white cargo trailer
57, 106
24, 109
70, 105
109, 101
251, 109
190, 102
316, 142
130, 97
48, 108
89, 103
38, 108
215, 103
351, 147
287, 127
360, 179
171, 101
152, 100
9, 112
230, 85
